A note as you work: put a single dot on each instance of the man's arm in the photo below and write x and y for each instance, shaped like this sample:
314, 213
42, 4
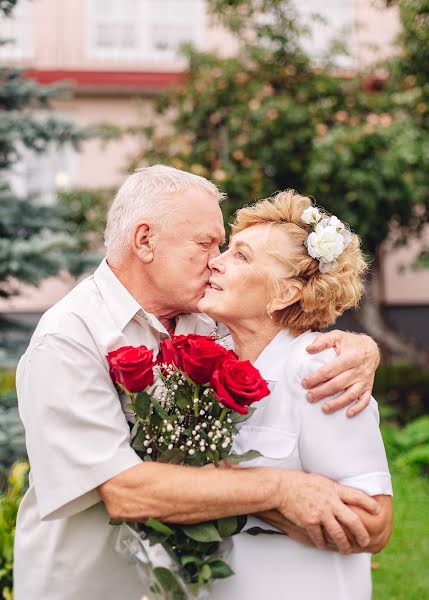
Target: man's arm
351, 373
187, 495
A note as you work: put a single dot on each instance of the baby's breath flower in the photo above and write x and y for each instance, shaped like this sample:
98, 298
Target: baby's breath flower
191, 451
149, 451
212, 446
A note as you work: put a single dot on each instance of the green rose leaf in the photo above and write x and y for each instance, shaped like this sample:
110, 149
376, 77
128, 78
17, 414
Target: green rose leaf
219, 568
227, 526
236, 459
169, 584
175, 456
202, 532
260, 530
142, 405
158, 526
191, 559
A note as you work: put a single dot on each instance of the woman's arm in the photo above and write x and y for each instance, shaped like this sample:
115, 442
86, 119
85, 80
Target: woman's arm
378, 526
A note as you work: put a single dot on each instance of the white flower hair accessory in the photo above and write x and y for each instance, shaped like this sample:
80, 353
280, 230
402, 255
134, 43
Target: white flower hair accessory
328, 240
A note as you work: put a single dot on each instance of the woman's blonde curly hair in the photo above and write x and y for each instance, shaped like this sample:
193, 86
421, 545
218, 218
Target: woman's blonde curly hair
325, 296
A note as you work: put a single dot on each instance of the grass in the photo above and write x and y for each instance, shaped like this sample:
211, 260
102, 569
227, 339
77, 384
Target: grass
402, 570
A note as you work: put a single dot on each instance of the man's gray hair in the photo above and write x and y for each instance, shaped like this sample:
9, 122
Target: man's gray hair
146, 194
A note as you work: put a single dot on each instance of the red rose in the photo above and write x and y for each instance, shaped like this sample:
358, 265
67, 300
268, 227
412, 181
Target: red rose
168, 350
197, 355
132, 367
237, 383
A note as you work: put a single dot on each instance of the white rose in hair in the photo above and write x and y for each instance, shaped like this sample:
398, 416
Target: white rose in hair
335, 222
311, 215
325, 244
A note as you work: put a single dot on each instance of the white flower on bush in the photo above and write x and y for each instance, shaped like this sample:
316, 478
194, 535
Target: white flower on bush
311, 215
325, 244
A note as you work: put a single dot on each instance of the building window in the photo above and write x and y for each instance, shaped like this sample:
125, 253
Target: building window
41, 176
142, 29
327, 21
18, 30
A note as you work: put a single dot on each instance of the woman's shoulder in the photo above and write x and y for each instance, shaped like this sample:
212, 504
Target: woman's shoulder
304, 362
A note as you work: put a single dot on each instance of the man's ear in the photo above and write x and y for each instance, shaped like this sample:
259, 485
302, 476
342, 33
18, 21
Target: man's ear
287, 293
143, 242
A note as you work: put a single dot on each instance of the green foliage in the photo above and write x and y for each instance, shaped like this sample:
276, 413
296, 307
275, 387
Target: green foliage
409, 447
265, 120
34, 238
9, 502
403, 389
195, 548
401, 571
84, 212
12, 439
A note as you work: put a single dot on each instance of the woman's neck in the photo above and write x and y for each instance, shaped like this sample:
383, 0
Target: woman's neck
251, 339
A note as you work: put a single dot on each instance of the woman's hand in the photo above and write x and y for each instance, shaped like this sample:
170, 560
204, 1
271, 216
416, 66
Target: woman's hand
352, 372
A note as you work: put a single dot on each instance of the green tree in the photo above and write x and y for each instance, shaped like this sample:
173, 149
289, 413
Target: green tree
34, 237
268, 119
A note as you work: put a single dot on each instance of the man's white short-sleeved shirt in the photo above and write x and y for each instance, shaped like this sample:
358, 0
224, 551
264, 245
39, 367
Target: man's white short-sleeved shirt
77, 438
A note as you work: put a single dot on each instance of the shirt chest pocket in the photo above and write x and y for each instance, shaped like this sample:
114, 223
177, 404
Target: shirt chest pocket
278, 447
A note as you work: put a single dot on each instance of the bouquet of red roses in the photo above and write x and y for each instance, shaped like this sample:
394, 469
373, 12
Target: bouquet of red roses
186, 406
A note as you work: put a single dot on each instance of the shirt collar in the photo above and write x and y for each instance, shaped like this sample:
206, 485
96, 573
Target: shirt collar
120, 303
271, 361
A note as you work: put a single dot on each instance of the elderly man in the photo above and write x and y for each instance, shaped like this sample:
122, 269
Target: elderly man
162, 229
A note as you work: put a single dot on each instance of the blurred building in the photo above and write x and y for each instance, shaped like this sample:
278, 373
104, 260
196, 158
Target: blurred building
118, 54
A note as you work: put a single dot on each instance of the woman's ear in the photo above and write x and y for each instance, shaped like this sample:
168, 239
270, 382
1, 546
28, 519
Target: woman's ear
143, 242
287, 293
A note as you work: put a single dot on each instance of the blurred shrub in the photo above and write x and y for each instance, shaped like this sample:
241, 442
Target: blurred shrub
85, 211
12, 438
11, 496
402, 391
408, 448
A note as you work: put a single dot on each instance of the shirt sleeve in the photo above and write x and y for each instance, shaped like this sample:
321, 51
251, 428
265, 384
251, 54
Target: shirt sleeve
347, 450
76, 433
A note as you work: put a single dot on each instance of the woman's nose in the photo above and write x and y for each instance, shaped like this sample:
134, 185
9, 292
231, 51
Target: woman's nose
215, 262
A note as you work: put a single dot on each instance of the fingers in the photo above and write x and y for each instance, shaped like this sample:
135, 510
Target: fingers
336, 533
355, 497
360, 405
353, 523
324, 341
337, 384
315, 533
350, 395
332, 369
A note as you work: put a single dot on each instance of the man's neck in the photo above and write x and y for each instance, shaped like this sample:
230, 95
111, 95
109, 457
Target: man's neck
146, 296
169, 324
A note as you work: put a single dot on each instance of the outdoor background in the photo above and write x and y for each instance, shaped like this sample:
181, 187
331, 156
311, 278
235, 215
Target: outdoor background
330, 97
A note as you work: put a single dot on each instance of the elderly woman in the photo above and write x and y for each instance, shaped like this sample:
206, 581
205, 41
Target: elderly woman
289, 271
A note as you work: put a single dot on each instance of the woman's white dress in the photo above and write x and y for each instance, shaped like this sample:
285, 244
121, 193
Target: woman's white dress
294, 434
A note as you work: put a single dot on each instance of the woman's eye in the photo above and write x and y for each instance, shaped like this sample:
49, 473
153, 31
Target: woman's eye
205, 244
241, 256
